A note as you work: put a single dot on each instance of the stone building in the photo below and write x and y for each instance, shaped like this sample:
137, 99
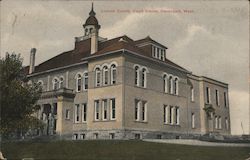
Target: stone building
125, 89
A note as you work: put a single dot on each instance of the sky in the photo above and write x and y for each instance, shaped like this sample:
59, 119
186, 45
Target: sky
209, 38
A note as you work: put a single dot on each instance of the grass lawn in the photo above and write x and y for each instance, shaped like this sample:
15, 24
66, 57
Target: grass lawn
119, 150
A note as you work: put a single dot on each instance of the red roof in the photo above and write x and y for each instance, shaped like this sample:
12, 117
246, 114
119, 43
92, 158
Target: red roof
82, 51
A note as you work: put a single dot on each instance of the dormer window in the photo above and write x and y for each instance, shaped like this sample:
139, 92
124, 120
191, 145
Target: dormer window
158, 52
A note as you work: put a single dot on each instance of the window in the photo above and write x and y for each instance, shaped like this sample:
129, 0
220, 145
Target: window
162, 55
111, 136
217, 97
153, 51
176, 86
208, 95
137, 136
193, 120
136, 75
95, 135
165, 83
78, 83
170, 85
226, 123
192, 94
113, 74
144, 111
137, 110
98, 77
104, 109
82, 136
216, 122
105, 75
219, 121
158, 52
84, 112
85, 81
77, 113
97, 110
55, 84
171, 115
165, 114
177, 115
67, 112
75, 136
112, 104
61, 82
225, 99
144, 76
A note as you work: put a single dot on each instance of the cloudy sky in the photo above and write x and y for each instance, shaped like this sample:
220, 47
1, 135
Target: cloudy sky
211, 39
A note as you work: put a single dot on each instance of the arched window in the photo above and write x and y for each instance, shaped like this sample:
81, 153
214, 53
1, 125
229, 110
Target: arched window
113, 74
85, 81
144, 78
176, 86
165, 83
55, 84
61, 82
170, 84
136, 75
97, 77
105, 75
78, 82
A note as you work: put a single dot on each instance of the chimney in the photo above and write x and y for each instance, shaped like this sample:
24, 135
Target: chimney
32, 60
94, 41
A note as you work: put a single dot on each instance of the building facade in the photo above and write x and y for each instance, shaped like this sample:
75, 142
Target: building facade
125, 89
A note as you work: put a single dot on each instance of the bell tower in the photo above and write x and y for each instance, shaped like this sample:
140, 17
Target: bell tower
91, 29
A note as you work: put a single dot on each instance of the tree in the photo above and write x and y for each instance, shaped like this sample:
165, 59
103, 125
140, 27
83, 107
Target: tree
17, 97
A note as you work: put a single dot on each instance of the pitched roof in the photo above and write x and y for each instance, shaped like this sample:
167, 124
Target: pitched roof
82, 51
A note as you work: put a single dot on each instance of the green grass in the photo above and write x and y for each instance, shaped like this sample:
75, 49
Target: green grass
119, 150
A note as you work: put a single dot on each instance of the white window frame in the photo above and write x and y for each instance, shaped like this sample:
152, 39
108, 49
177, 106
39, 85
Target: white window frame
193, 120
97, 110
85, 81
105, 75
137, 75
144, 77
217, 97
61, 82
225, 99
55, 83
112, 108
137, 110
176, 86
98, 78
77, 113
166, 112
216, 122
104, 109
219, 121
177, 115
208, 96
78, 82
165, 83
192, 94
172, 115
226, 123
113, 77
84, 112
144, 111
67, 114
170, 80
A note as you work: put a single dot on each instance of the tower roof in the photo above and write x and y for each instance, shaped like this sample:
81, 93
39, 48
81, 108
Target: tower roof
92, 20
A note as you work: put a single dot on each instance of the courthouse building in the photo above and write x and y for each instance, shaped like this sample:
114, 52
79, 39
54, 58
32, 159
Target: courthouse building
125, 89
